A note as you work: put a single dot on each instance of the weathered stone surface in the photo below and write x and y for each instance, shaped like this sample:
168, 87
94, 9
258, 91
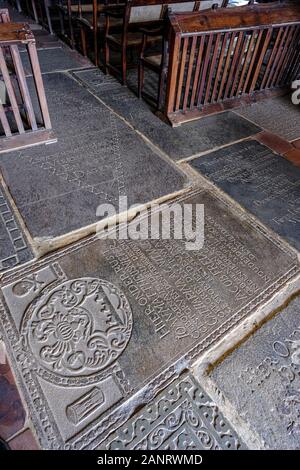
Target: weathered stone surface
103, 320
182, 417
261, 379
57, 188
261, 181
55, 59
179, 143
14, 247
278, 115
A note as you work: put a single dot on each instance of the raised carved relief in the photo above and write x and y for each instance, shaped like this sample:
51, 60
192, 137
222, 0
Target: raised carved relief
78, 328
27, 284
85, 405
182, 417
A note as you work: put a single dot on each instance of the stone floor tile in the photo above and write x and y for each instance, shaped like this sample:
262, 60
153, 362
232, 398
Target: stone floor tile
261, 380
296, 143
56, 59
277, 115
274, 142
259, 180
178, 143
293, 156
106, 320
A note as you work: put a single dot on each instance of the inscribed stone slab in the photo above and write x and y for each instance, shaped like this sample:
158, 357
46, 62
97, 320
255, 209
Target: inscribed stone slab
94, 324
278, 115
55, 59
261, 181
180, 142
57, 188
261, 379
182, 417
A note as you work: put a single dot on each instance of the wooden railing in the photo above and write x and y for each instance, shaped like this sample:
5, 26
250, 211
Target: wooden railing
22, 122
219, 58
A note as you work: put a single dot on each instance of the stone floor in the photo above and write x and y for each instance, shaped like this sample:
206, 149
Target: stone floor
193, 349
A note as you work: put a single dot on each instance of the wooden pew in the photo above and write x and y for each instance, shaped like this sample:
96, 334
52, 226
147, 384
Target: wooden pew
137, 14
21, 123
218, 59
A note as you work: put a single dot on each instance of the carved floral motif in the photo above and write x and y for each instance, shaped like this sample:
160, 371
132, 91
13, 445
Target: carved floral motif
79, 327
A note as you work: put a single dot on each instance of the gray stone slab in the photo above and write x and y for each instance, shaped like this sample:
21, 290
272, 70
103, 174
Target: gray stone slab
57, 188
261, 181
278, 115
180, 142
108, 320
55, 59
261, 379
14, 249
182, 417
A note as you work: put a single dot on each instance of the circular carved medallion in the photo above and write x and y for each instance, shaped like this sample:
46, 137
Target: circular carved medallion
78, 328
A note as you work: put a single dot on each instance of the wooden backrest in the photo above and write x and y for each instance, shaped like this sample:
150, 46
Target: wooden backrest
217, 56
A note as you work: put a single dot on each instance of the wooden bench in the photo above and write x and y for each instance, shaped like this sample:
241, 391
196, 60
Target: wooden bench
22, 123
218, 59
137, 15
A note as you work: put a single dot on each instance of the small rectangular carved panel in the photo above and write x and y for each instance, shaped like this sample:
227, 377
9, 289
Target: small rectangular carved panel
261, 379
122, 316
85, 405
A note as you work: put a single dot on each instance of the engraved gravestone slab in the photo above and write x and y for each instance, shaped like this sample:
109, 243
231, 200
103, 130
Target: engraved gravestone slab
180, 142
278, 115
261, 181
261, 379
14, 247
182, 417
57, 188
102, 320
55, 59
